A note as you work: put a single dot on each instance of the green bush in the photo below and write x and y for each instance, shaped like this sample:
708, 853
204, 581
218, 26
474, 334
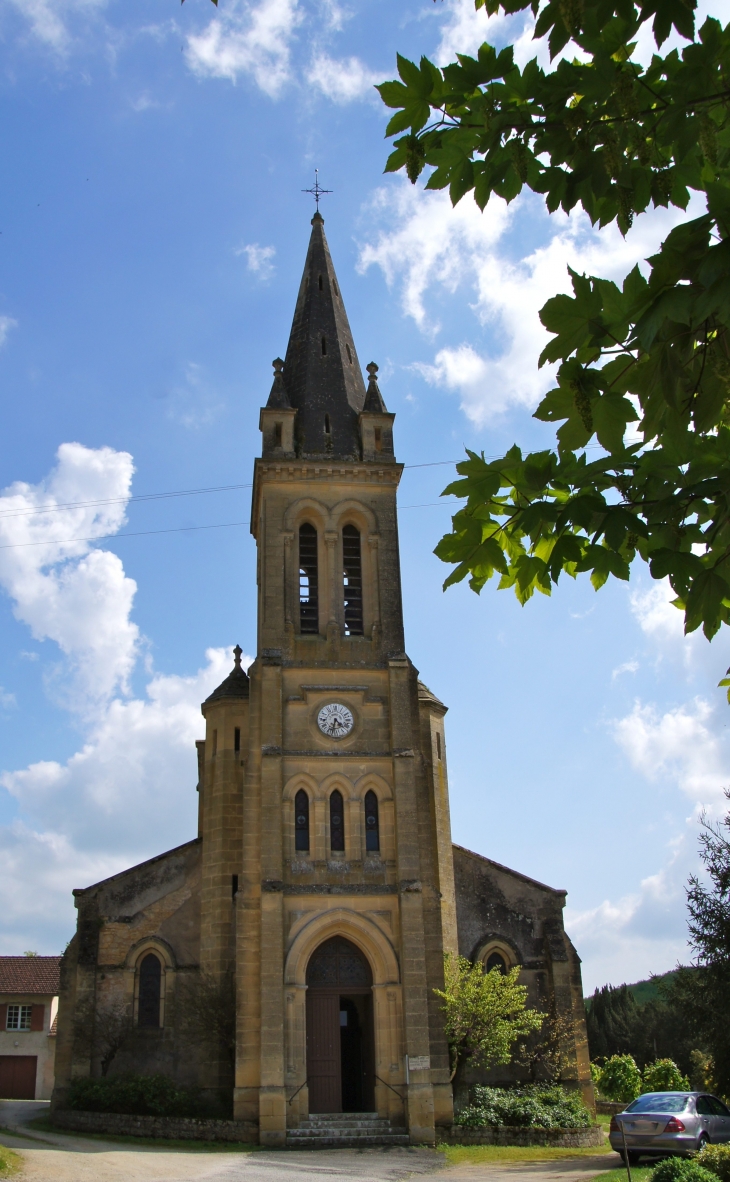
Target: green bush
681, 1169
133, 1095
716, 1159
664, 1076
620, 1078
534, 1106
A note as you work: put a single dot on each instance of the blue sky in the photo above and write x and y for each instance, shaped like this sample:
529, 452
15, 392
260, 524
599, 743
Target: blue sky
152, 236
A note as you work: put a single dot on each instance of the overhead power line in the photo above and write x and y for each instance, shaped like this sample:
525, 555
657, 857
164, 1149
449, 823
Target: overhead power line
180, 529
182, 492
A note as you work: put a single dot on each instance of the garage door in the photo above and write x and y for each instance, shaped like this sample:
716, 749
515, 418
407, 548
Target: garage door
17, 1077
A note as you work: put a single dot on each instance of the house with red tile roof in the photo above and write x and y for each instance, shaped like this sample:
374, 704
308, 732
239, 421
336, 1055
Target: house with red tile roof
28, 1008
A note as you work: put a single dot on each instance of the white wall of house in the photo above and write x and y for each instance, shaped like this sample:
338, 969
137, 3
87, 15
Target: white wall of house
40, 1044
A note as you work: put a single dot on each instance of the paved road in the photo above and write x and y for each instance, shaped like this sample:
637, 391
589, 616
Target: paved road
57, 1157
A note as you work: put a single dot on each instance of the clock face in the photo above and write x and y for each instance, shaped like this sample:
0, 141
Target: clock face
335, 720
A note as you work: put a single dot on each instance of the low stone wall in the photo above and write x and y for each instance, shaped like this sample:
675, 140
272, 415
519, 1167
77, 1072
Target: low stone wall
610, 1107
174, 1128
506, 1135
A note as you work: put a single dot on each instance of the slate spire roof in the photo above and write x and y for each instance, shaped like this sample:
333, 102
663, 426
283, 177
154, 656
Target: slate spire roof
236, 684
322, 378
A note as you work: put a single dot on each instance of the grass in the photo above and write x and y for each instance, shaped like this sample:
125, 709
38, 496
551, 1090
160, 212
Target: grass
486, 1154
9, 1162
638, 1174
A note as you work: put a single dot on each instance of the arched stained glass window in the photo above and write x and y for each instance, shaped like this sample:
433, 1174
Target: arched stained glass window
308, 579
352, 580
372, 824
150, 981
495, 960
337, 821
301, 820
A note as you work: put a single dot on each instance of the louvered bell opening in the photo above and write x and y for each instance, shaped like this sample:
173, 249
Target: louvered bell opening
352, 580
308, 580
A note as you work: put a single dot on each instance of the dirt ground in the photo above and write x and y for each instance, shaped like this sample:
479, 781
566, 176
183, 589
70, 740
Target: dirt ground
57, 1157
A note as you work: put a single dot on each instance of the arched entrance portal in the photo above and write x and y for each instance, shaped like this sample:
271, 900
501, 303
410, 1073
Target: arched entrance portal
340, 1059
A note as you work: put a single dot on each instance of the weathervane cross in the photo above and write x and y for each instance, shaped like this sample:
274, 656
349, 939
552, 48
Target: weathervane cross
317, 190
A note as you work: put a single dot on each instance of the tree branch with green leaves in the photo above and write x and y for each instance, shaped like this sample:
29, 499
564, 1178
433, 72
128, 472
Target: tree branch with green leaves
615, 137
484, 1013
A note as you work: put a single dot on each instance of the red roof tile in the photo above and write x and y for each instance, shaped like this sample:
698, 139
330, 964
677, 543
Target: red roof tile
30, 974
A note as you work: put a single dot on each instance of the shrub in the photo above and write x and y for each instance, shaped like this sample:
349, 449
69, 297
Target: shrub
620, 1078
664, 1076
681, 1169
534, 1106
133, 1095
716, 1159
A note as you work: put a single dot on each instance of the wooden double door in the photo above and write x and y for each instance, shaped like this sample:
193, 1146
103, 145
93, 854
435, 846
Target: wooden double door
340, 1050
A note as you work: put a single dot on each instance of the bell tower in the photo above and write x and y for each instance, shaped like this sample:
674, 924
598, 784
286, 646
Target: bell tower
345, 900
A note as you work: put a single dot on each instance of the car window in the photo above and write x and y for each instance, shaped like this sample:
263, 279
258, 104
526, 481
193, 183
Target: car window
717, 1106
659, 1102
704, 1106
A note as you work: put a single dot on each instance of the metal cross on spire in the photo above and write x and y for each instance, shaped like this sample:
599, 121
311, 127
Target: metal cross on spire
317, 189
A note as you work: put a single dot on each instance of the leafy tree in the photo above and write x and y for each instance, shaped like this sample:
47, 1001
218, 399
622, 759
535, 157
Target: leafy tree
615, 137
664, 1076
620, 1078
484, 1013
709, 928
611, 1021
549, 1053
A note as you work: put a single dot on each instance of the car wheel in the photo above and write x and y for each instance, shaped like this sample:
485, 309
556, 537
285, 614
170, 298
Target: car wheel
704, 1140
634, 1157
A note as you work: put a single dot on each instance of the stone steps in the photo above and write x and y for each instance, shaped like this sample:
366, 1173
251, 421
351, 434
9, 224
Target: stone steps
345, 1130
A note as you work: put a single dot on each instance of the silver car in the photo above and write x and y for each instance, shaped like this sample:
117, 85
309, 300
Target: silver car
660, 1123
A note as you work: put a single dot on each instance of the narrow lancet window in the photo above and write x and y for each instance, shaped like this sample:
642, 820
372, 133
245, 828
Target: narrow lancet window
324, 346
372, 823
337, 821
321, 285
150, 980
349, 354
352, 580
301, 821
308, 582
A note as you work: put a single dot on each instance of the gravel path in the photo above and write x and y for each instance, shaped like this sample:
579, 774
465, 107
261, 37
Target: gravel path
59, 1157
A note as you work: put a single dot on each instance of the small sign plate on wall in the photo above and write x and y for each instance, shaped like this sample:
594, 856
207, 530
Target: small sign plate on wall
419, 1063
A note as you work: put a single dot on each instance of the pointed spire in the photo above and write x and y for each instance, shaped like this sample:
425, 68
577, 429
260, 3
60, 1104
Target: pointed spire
322, 374
278, 398
374, 399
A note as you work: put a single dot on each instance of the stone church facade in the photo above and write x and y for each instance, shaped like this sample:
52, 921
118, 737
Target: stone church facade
323, 886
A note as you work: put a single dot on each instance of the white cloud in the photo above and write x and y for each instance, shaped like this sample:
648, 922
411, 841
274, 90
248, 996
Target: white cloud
50, 20
343, 80
425, 248
6, 323
627, 667
258, 259
60, 587
465, 29
250, 40
684, 745
193, 403
645, 931
127, 795
7, 700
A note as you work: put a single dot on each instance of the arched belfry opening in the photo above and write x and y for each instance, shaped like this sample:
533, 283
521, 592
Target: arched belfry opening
340, 1050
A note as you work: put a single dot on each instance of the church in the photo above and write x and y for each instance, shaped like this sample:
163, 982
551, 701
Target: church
285, 959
